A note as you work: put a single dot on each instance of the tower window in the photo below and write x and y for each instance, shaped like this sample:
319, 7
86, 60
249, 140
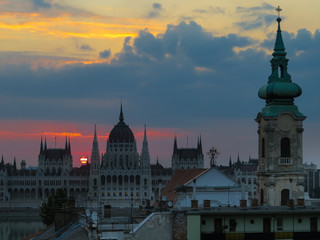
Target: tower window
285, 147
263, 148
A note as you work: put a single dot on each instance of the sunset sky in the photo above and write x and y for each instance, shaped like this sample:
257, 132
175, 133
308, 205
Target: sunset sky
184, 68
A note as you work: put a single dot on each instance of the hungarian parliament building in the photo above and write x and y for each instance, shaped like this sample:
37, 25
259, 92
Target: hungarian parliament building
121, 177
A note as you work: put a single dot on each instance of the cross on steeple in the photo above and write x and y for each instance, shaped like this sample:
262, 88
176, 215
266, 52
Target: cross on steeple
278, 9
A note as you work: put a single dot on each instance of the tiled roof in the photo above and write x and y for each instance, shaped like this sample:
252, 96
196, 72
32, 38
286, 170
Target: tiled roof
180, 177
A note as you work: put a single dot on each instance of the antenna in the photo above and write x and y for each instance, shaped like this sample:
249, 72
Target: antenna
55, 141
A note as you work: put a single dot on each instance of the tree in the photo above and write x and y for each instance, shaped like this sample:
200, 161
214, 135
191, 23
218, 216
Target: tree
213, 154
60, 199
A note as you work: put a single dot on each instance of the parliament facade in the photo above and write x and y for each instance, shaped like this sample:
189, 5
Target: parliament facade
121, 177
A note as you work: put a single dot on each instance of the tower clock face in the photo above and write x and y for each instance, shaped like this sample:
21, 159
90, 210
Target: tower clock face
285, 122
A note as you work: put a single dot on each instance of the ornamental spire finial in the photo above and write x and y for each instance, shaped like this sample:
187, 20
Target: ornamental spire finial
121, 118
278, 9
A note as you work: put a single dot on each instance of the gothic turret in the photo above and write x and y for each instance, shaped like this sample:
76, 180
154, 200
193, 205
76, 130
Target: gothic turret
95, 156
175, 147
145, 155
41, 146
69, 146
45, 143
94, 181
66, 145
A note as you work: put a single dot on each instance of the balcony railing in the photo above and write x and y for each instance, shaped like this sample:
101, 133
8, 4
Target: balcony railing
285, 161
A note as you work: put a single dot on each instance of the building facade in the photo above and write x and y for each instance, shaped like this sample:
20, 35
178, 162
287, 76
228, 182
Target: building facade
121, 177
185, 158
280, 172
125, 175
32, 186
253, 223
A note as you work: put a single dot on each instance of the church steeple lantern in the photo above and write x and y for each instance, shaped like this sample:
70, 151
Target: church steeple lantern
280, 172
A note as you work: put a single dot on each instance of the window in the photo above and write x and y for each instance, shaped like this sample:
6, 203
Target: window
284, 196
285, 148
114, 179
279, 224
251, 221
103, 180
232, 225
263, 148
203, 222
131, 179
299, 220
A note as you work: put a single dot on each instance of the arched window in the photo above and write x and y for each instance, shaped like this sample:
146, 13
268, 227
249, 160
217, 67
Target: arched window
114, 179
121, 162
138, 180
131, 179
120, 180
263, 148
285, 147
284, 196
103, 179
108, 179
95, 182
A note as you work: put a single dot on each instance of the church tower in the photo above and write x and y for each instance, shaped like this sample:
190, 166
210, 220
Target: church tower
94, 181
280, 172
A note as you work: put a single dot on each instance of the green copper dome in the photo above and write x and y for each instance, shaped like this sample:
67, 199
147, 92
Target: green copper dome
280, 91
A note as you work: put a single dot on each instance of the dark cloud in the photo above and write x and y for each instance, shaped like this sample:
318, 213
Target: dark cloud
41, 3
256, 17
264, 6
209, 10
250, 25
85, 47
82, 46
157, 6
185, 73
105, 53
147, 45
156, 10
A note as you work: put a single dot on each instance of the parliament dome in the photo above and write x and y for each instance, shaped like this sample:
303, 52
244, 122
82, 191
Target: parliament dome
121, 132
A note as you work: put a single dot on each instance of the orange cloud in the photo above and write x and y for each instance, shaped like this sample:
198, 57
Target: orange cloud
65, 26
